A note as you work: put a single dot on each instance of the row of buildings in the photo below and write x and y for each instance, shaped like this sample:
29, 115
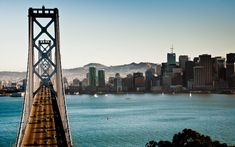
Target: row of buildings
7, 87
203, 73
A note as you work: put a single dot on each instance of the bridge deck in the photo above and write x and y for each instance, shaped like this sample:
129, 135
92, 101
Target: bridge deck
44, 126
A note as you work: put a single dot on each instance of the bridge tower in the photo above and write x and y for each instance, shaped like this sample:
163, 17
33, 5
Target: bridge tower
44, 66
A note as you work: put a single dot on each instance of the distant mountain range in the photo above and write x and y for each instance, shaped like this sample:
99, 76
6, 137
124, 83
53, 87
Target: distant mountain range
80, 72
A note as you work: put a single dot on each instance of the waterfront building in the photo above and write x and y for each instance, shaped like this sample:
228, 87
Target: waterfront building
111, 81
92, 76
188, 73
171, 58
171, 61
199, 77
230, 68
118, 83
101, 78
24, 83
158, 69
163, 69
177, 76
1, 86
85, 82
149, 78
156, 84
166, 80
182, 60
75, 82
127, 83
206, 61
138, 81
65, 80
218, 68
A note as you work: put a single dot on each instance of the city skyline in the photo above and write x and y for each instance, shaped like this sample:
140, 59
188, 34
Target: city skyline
118, 32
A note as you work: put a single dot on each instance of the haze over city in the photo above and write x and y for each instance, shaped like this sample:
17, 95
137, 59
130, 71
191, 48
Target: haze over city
113, 32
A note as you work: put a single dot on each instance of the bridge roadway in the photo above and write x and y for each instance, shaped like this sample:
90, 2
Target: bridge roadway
44, 126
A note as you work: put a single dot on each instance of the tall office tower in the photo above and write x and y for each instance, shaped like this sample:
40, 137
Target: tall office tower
206, 61
92, 76
199, 77
1, 85
188, 72
218, 68
182, 60
158, 69
171, 58
149, 78
127, 83
163, 69
230, 65
118, 83
138, 81
230, 69
177, 76
101, 78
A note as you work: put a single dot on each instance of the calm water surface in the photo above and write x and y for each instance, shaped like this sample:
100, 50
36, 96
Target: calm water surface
133, 120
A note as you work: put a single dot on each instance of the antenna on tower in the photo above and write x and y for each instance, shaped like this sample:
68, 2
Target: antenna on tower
172, 48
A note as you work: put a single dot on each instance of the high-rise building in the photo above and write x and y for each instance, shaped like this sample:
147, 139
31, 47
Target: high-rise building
230, 57
218, 68
199, 77
85, 82
230, 65
118, 83
158, 69
92, 76
1, 86
138, 81
230, 70
24, 84
182, 60
188, 73
149, 78
206, 61
177, 76
127, 83
171, 59
101, 78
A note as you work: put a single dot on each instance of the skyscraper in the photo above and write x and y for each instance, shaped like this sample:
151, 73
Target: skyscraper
199, 77
92, 76
138, 81
171, 58
101, 78
182, 60
188, 72
118, 83
149, 78
206, 61
230, 68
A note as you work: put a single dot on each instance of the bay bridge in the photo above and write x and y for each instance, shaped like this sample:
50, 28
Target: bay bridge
44, 120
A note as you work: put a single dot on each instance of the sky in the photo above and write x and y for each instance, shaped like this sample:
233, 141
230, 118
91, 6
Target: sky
115, 32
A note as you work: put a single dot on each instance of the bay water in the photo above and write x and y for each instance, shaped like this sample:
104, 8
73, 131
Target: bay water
133, 119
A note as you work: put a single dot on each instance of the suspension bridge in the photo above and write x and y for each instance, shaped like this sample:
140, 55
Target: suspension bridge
44, 120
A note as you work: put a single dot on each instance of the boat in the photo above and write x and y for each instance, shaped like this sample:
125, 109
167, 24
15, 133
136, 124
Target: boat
95, 95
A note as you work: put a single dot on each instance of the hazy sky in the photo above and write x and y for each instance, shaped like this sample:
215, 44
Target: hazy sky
113, 32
